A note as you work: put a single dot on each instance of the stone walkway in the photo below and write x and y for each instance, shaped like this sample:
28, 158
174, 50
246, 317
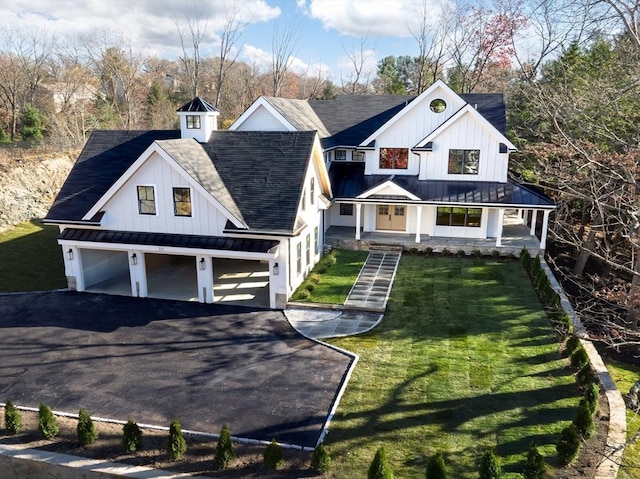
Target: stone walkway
361, 312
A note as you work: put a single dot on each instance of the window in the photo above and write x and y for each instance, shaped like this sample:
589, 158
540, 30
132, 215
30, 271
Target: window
453, 216
316, 238
182, 201
312, 191
304, 199
346, 209
146, 200
299, 258
394, 158
464, 162
438, 105
308, 249
358, 156
398, 210
341, 155
193, 122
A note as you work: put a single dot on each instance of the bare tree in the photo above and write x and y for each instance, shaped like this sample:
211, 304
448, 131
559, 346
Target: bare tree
358, 56
284, 43
229, 36
191, 56
628, 12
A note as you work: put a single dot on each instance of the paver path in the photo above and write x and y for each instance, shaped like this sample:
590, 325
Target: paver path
371, 289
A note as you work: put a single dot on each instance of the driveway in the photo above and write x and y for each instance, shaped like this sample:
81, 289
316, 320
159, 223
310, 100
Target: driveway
153, 360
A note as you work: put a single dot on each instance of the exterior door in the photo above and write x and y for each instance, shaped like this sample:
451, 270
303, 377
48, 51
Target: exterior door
391, 217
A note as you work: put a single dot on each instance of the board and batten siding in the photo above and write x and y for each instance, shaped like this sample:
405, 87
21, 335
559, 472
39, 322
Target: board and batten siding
121, 211
262, 120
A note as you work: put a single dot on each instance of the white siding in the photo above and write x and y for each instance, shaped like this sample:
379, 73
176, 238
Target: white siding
334, 218
121, 211
262, 120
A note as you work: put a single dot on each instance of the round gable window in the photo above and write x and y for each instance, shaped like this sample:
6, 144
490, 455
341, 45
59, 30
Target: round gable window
438, 105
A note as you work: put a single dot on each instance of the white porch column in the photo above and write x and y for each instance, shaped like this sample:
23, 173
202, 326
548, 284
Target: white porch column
500, 227
545, 225
418, 222
358, 212
534, 220
204, 271
138, 274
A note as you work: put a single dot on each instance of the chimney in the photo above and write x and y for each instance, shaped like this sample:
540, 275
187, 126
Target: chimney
198, 119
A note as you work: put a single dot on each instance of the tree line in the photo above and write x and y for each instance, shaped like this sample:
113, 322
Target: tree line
569, 69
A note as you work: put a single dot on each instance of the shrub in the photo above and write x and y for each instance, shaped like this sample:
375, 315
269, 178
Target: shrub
413, 250
131, 437
585, 375
314, 278
477, 253
309, 286
320, 460
573, 343
380, 468
579, 358
5, 139
47, 422
525, 259
224, 448
584, 421
436, 468
12, 418
536, 267
591, 396
461, 253
87, 432
445, 252
176, 446
490, 466
495, 254
321, 268
534, 467
331, 258
568, 446
428, 251
273, 458
303, 294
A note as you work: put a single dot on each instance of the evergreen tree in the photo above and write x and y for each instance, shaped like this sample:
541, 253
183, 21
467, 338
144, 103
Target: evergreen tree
273, 457
177, 445
436, 468
224, 448
380, 468
87, 432
490, 466
131, 437
47, 422
32, 128
12, 418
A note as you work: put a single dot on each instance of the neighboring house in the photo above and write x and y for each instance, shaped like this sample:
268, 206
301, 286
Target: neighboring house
195, 214
431, 166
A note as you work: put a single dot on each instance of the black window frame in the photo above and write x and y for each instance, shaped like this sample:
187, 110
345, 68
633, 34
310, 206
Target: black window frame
346, 209
459, 216
182, 201
144, 201
193, 122
460, 159
398, 157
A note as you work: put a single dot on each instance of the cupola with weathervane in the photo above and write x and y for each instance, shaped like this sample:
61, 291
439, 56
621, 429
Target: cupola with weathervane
198, 119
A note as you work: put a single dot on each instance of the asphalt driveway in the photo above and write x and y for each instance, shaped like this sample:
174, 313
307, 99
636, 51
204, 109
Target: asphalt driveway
153, 360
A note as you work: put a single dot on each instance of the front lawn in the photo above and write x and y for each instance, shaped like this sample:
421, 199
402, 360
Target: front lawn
464, 360
30, 258
625, 375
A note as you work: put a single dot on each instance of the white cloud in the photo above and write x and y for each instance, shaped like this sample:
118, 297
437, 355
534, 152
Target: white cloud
373, 18
257, 57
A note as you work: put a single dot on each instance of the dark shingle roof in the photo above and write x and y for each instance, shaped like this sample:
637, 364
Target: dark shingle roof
349, 181
264, 171
198, 105
164, 239
104, 158
491, 106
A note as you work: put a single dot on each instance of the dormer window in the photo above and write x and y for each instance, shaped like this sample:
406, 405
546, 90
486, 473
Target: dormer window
394, 158
464, 162
193, 122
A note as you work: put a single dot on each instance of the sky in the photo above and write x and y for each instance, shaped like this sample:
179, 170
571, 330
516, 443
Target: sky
326, 31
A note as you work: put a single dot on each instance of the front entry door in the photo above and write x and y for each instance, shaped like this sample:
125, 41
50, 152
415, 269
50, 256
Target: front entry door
391, 217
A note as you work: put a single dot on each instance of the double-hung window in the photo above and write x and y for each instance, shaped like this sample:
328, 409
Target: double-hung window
146, 200
193, 122
340, 155
394, 158
464, 162
182, 201
299, 258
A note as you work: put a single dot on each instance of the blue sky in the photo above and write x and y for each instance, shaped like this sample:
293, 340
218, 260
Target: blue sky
327, 30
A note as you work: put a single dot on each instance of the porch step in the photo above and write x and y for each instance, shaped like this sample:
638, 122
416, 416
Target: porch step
395, 248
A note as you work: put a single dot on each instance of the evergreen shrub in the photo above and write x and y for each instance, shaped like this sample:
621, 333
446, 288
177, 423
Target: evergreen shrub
12, 418
568, 446
273, 457
380, 468
320, 459
534, 467
436, 468
579, 358
224, 448
584, 421
573, 343
309, 286
585, 375
86, 429
591, 396
525, 259
47, 422
176, 445
131, 437
490, 466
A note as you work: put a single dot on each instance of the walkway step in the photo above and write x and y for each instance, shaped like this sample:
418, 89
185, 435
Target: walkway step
373, 285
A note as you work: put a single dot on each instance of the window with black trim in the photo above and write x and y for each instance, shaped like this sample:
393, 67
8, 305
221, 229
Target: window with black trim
455, 216
340, 155
394, 158
358, 156
464, 162
182, 201
346, 209
193, 122
146, 200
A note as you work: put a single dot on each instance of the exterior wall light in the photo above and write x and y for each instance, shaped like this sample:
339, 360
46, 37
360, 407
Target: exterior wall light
134, 259
202, 264
70, 254
276, 269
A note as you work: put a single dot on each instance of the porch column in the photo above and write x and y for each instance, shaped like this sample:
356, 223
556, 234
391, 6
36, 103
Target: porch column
534, 220
500, 227
418, 222
204, 265
138, 274
358, 211
545, 225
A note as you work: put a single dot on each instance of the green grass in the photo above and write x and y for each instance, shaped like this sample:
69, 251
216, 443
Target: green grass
625, 375
31, 259
334, 284
464, 360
